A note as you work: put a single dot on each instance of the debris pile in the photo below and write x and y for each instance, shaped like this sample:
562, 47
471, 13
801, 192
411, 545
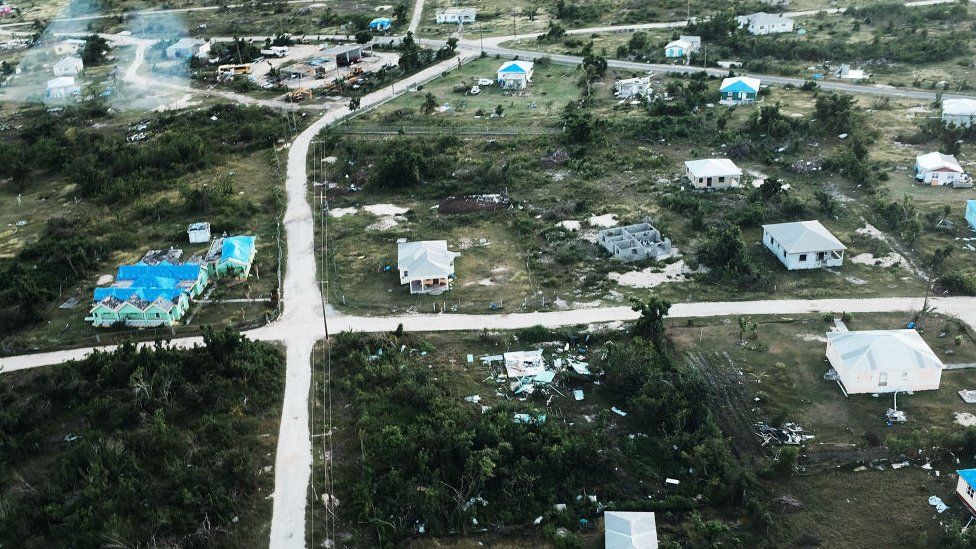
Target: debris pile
790, 434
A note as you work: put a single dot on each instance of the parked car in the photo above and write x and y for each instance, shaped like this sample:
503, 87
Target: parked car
475, 90
485, 81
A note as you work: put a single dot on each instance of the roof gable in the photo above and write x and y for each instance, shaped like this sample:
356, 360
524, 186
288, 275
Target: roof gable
740, 84
884, 350
804, 237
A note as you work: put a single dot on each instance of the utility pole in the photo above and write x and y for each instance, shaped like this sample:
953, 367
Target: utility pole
515, 27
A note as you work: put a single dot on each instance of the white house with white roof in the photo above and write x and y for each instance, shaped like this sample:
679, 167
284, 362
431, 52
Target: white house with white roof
803, 245
958, 112
515, 75
883, 361
629, 530
936, 169
760, 23
62, 87
712, 173
427, 266
455, 15
69, 66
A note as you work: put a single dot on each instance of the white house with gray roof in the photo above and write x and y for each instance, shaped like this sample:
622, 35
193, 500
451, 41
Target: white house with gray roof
883, 361
712, 173
760, 23
427, 266
803, 245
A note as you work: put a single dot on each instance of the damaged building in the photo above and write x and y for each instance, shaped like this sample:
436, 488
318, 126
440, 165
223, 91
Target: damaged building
635, 242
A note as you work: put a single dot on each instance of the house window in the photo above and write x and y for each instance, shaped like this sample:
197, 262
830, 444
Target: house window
969, 491
803, 257
821, 255
157, 315
721, 179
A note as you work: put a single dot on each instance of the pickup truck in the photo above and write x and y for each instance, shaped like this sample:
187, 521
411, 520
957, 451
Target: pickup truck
275, 51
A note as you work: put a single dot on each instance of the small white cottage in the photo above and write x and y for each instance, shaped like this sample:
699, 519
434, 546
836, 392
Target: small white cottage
883, 361
629, 530
966, 488
936, 169
958, 112
69, 66
803, 245
515, 75
712, 173
427, 266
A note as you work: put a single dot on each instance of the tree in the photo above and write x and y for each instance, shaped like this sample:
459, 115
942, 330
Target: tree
650, 324
452, 44
354, 103
638, 42
724, 252
579, 125
595, 66
363, 36
430, 104
400, 12
93, 53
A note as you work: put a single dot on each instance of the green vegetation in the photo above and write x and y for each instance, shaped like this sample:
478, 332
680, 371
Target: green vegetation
417, 458
141, 447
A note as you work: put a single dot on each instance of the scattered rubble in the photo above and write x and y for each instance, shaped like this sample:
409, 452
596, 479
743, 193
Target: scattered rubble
790, 434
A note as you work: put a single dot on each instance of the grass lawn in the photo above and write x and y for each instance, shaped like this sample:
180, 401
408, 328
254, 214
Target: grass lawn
629, 176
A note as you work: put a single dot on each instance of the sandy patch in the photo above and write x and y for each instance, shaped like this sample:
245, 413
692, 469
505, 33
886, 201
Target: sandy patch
872, 231
889, 260
342, 212
104, 280
385, 223
385, 209
812, 338
604, 221
965, 418
856, 281
570, 225
653, 276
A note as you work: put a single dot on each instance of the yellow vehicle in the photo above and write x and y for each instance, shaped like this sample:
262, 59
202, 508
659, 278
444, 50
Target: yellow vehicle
234, 69
298, 95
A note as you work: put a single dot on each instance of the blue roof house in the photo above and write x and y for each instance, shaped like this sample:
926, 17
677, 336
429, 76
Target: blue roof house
971, 213
966, 488
380, 24
148, 295
231, 256
738, 90
515, 75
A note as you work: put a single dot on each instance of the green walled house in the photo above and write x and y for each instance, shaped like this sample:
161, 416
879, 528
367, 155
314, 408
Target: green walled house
148, 295
231, 256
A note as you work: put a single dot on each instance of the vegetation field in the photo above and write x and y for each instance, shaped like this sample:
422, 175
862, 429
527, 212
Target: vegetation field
142, 447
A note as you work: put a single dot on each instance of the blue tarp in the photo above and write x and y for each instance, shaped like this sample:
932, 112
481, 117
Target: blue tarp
380, 23
971, 213
150, 282
163, 270
145, 294
237, 248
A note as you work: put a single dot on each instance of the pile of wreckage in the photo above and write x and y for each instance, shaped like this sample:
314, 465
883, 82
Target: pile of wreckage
525, 372
790, 434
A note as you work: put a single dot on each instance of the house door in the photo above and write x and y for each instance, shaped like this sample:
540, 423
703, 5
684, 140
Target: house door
883, 379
